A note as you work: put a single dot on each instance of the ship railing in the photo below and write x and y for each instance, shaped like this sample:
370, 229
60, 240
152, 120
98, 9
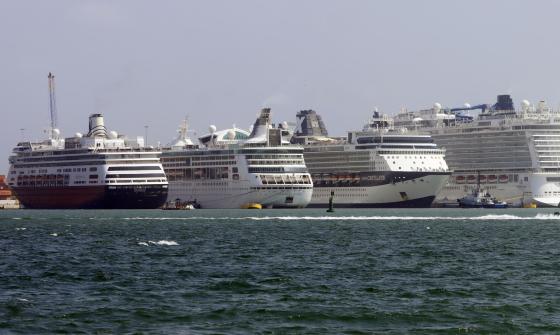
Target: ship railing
126, 149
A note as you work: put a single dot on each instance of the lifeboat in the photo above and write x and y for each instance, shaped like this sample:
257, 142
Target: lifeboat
460, 179
503, 178
492, 178
471, 179
482, 178
251, 205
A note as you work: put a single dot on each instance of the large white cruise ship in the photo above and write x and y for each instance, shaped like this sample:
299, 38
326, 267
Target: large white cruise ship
514, 154
379, 166
99, 170
234, 169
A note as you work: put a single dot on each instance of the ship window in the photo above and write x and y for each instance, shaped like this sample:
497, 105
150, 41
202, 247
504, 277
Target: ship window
130, 168
93, 176
92, 169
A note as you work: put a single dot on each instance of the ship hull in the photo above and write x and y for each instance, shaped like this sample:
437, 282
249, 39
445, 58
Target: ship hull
384, 190
92, 197
416, 203
231, 195
483, 206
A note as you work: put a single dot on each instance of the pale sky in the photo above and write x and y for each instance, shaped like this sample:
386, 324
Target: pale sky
153, 62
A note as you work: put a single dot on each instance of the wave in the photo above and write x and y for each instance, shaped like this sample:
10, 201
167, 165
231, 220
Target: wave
160, 242
488, 217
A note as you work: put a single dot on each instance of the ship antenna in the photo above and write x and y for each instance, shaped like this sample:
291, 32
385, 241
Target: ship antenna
52, 104
184, 128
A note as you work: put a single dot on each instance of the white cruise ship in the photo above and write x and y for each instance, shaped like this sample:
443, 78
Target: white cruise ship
99, 170
379, 166
234, 169
514, 154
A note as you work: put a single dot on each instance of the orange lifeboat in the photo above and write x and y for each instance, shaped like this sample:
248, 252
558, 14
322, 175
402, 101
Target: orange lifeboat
5, 192
460, 179
471, 179
492, 178
482, 178
503, 178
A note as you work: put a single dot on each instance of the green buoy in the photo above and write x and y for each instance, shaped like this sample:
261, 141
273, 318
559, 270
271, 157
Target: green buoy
331, 209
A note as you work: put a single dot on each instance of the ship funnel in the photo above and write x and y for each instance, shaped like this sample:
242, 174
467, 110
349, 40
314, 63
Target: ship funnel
97, 126
259, 132
309, 123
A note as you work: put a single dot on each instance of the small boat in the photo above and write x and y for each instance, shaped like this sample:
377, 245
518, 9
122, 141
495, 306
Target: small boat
503, 178
492, 178
479, 198
178, 205
482, 178
471, 179
252, 205
460, 179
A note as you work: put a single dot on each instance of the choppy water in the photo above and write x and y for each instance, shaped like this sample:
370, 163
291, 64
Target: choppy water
280, 271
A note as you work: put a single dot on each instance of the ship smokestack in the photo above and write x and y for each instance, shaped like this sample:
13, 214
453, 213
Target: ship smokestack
309, 123
260, 127
97, 126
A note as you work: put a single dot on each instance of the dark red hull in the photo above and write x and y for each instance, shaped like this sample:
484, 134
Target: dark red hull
92, 197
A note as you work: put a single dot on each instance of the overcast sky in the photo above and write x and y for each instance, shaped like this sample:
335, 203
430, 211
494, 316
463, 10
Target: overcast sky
153, 62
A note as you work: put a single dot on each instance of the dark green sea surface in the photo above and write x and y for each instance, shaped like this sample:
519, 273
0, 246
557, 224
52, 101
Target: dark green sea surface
431, 271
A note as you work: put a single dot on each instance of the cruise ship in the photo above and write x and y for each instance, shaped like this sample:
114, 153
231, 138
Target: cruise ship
233, 168
514, 154
98, 170
379, 166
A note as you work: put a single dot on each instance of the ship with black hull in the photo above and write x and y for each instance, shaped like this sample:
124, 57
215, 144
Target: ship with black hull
98, 170
379, 166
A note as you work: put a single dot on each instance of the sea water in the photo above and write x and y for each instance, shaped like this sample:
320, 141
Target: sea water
391, 271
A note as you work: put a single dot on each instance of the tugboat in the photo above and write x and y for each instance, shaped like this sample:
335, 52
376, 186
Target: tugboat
480, 198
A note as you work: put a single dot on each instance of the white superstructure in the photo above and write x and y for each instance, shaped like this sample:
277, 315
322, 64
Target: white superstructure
379, 166
234, 169
516, 153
